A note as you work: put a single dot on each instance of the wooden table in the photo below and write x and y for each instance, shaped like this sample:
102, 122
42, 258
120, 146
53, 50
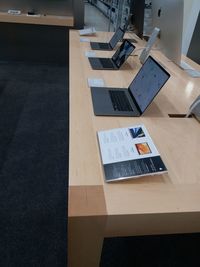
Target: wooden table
168, 203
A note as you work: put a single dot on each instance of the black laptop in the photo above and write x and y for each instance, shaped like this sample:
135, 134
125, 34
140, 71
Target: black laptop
114, 63
134, 100
117, 36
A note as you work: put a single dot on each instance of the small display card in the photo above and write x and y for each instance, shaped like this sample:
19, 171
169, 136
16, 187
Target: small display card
88, 31
90, 54
84, 40
95, 82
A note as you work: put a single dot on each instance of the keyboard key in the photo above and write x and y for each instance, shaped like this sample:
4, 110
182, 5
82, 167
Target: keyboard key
120, 101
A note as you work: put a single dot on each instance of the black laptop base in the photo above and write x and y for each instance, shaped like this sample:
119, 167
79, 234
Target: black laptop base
103, 105
100, 46
142, 90
102, 63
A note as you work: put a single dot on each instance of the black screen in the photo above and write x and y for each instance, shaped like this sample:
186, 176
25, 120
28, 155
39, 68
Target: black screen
117, 36
123, 53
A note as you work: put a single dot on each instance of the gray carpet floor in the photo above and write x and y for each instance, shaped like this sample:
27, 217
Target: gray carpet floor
33, 164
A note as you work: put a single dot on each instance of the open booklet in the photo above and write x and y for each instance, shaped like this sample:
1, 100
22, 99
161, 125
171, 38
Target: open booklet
129, 153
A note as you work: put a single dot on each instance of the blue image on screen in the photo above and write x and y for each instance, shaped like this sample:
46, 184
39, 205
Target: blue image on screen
123, 53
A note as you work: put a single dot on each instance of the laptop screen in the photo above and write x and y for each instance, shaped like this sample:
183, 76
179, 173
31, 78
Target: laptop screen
117, 36
123, 53
148, 82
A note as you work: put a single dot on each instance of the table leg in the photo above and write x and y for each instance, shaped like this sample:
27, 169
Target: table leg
85, 240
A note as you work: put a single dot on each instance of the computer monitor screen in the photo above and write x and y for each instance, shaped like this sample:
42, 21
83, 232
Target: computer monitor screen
167, 15
137, 11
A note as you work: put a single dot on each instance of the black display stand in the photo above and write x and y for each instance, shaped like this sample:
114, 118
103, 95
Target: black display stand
39, 43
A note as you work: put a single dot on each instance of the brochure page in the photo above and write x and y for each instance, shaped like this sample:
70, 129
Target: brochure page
129, 153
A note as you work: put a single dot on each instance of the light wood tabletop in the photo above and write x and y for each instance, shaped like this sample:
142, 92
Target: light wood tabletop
168, 203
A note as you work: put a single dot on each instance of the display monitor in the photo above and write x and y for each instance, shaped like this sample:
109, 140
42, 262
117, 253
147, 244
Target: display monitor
167, 15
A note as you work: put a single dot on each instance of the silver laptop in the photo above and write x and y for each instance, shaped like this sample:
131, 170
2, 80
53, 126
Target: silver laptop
134, 100
117, 36
114, 63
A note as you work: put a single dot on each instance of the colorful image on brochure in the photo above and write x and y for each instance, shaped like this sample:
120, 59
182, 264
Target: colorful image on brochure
137, 132
143, 148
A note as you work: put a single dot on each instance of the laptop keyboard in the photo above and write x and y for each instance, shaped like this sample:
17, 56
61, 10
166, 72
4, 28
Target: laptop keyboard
104, 45
106, 63
120, 101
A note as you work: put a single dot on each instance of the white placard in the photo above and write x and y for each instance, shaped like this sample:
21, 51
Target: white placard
89, 31
90, 54
84, 40
96, 82
14, 12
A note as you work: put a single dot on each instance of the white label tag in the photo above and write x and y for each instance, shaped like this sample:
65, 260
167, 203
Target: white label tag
84, 40
89, 31
95, 82
90, 54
